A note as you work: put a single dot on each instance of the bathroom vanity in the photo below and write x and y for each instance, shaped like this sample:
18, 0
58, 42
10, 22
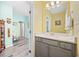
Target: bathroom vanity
54, 45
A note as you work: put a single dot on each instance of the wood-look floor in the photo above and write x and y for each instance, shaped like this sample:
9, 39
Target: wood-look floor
20, 49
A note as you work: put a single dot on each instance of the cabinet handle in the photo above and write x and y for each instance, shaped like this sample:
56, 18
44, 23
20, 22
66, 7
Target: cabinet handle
10, 56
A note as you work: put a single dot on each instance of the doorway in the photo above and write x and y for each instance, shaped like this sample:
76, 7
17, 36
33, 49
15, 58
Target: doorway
20, 31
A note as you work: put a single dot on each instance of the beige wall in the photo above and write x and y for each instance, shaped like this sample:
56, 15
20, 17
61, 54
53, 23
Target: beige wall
58, 28
75, 15
38, 17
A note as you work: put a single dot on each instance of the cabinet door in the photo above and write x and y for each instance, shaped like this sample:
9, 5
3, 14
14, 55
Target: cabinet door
58, 52
41, 49
66, 45
37, 50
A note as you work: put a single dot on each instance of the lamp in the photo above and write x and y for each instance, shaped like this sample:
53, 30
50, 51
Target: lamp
53, 4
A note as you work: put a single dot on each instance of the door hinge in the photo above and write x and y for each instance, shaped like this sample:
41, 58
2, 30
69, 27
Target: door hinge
29, 12
30, 31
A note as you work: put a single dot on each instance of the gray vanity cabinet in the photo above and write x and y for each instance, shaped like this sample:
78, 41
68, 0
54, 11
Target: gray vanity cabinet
52, 48
58, 52
41, 49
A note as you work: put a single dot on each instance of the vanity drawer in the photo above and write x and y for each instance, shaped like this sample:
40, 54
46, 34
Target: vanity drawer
66, 45
38, 38
51, 42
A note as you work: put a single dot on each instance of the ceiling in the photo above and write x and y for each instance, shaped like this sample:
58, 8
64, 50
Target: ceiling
22, 7
59, 9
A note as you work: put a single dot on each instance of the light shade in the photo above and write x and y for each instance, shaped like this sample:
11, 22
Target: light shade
47, 5
52, 3
57, 2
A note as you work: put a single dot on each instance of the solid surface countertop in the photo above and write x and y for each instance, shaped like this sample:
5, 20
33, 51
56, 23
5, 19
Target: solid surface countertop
58, 36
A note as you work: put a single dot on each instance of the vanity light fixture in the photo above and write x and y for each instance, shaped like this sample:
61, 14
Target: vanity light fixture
57, 2
53, 4
47, 5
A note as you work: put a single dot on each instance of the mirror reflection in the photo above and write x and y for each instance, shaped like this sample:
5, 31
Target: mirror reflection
58, 17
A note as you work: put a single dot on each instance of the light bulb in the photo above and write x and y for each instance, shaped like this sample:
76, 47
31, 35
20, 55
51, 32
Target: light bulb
52, 3
47, 5
57, 2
